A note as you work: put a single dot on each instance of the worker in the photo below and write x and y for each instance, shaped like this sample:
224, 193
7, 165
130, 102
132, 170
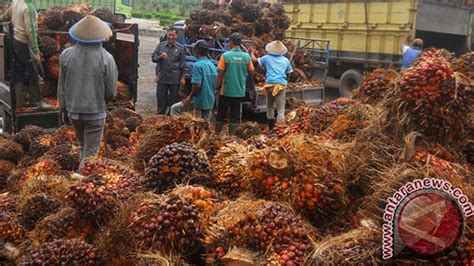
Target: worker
204, 77
233, 68
87, 80
277, 69
170, 59
410, 54
26, 52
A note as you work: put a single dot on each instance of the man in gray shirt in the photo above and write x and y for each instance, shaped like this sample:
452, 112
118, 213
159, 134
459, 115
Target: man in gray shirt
170, 59
87, 82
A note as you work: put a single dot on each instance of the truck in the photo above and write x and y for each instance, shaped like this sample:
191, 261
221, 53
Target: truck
367, 34
123, 45
121, 8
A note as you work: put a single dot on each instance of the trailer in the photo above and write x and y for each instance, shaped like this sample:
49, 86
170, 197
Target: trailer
123, 45
367, 34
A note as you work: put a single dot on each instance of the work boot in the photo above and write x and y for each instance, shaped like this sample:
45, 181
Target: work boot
233, 128
271, 123
218, 127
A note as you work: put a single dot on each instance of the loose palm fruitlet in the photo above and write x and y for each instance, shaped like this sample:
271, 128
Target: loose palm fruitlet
376, 84
178, 163
67, 223
36, 208
61, 252
274, 232
297, 123
107, 183
431, 99
10, 229
174, 222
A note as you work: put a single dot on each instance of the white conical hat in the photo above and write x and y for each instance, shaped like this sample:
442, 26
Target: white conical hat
90, 29
276, 48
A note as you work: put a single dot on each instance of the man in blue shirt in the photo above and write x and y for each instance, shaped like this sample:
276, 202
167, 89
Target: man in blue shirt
277, 68
204, 77
410, 54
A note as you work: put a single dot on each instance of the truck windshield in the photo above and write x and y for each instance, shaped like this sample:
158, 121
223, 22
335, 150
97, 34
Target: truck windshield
127, 2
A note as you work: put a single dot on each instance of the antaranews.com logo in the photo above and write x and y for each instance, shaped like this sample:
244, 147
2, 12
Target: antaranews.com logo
425, 215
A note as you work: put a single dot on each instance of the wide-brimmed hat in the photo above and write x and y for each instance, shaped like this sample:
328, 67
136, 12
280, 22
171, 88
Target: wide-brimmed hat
276, 48
90, 29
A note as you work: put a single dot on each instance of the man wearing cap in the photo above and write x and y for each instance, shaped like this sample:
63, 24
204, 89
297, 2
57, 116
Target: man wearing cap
234, 67
410, 54
277, 68
170, 59
203, 78
87, 78
26, 52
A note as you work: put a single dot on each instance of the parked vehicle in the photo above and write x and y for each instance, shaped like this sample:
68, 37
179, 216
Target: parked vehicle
123, 46
367, 34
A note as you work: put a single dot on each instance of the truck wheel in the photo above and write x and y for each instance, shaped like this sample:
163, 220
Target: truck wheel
120, 18
5, 122
350, 80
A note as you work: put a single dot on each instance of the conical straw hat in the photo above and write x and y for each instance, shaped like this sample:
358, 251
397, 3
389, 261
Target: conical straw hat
276, 48
90, 29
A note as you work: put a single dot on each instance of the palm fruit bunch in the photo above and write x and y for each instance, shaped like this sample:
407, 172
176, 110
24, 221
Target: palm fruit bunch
431, 99
52, 67
173, 222
70, 17
104, 14
106, 184
64, 135
247, 130
65, 224
123, 93
228, 168
51, 19
35, 208
9, 149
43, 167
359, 246
272, 233
468, 152
47, 46
458, 255
349, 123
299, 171
66, 155
61, 252
132, 119
465, 65
40, 146
298, 122
375, 84
178, 163
159, 132
27, 135
10, 229
5, 168
8, 202
324, 115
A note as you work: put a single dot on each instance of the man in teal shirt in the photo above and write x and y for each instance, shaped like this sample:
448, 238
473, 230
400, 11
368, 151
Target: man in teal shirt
204, 81
234, 66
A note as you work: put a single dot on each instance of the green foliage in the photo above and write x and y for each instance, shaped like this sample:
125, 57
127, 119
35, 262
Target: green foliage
166, 19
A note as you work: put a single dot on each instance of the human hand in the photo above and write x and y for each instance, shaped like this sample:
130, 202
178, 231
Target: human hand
36, 58
186, 101
164, 56
182, 82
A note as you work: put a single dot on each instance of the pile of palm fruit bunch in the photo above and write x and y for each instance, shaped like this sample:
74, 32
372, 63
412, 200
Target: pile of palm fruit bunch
259, 24
430, 98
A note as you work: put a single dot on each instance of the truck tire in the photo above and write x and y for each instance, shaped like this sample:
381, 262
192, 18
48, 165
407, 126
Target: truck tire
5, 122
350, 80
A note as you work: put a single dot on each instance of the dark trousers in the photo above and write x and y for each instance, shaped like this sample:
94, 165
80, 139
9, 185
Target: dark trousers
166, 95
231, 105
23, 70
